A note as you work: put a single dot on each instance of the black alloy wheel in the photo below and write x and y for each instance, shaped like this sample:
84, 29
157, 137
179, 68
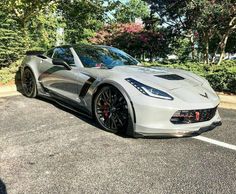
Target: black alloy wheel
29, 84
111, 109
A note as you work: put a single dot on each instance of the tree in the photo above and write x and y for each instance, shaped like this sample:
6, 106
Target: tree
23, 12
231, 45
206, 18
26, 25
227, 27
43, 29
130, 10
82, 18
215, 18
174, 16
134, 39
10, 41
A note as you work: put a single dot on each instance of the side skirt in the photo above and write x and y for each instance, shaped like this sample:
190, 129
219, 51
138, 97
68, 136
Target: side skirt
67, 103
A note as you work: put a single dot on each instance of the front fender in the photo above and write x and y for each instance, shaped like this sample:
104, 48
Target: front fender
93, 91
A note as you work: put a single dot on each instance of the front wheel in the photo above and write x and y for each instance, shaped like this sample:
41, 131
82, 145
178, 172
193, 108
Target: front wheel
29, 84
111, 109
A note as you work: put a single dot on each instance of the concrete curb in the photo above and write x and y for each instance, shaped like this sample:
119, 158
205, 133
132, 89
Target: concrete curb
227, 101
9, 88
8, 91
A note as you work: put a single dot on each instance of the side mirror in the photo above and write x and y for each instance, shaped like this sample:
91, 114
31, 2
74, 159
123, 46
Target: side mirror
61, 62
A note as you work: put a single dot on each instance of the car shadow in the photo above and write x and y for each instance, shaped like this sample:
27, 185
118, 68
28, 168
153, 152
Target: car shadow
93, 123
3, 189
78, 115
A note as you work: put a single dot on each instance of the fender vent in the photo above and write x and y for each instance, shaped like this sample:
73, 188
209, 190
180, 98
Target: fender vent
171, 77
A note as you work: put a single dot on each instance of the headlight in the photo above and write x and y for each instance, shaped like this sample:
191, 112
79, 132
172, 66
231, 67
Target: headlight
149, 91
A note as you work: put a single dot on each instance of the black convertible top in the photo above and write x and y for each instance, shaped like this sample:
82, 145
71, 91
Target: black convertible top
28, 53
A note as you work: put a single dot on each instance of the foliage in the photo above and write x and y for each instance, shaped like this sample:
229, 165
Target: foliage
8, 74
43, 30
23, 12
109, 32
231, 45
10, 41
200, 20
25, 25
182, 47
130, 10
82, 18
134, 39
221, 77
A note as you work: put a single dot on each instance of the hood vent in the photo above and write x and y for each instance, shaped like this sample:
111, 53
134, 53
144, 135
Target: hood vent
171, 77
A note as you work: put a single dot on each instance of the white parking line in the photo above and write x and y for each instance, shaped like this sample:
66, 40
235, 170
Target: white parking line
219, 143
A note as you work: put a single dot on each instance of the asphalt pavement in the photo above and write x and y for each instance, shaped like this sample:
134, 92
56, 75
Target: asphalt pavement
45, 148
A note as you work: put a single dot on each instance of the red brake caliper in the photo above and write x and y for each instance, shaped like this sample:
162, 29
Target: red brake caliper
106, 110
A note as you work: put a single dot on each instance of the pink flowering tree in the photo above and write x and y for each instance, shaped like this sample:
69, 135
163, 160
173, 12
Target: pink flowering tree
133, 39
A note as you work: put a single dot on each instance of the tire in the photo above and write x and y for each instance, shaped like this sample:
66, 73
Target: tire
29, 84
111, 110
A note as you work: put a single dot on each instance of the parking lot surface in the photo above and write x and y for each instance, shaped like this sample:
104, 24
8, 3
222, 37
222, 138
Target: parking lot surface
45, 148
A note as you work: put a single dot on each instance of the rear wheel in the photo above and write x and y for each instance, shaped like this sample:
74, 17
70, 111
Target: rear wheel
111, 109
29, 84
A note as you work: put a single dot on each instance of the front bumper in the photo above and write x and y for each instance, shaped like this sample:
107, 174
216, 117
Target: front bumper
179, 133
154, 119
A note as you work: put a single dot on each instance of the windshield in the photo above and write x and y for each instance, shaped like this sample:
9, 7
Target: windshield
106, 57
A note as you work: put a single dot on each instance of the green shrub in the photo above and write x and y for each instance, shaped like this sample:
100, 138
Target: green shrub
8, 74
221, 77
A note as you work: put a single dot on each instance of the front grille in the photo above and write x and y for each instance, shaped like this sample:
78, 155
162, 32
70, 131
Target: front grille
193, 116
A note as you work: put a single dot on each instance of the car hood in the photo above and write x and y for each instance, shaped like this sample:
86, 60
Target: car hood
165, 78
179, 83
182, 84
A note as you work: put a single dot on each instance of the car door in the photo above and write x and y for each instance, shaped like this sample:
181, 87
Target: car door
57, 79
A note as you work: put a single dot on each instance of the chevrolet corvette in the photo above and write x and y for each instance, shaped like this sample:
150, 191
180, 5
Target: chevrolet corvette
123, 96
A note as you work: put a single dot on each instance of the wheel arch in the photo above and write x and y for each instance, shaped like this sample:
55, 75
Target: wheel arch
34, 92
35, 73
131, 109
30, 62
27, 66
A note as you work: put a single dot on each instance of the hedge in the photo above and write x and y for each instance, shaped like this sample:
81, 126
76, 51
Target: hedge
221, 77
7, 74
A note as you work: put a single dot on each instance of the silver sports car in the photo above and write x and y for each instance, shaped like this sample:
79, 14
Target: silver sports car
109, 85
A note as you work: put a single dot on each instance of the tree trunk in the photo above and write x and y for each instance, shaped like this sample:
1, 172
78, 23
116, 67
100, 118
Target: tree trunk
207, 52
192, 45
225, 38
215, 53
206, 48
223, 44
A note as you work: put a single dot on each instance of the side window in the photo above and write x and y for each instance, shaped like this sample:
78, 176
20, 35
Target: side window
64, 54
49, 53
87, 61
88, 57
